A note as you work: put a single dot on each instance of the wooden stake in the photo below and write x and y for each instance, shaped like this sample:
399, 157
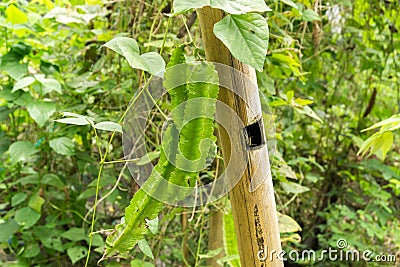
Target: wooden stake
254, 211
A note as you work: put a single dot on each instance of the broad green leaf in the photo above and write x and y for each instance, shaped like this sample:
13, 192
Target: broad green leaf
36, 202
246, 37
181, 6
155, 63
294, 188
48, 84
75, 234
41, 111
287, 224
108, 126
145, 248
26, 217
54, 180
22, 83
76, 253
15, 69
63, 146
21, 151
123, 46
15, 15
18, 198
310, 15
31, 250
7, 229
151, 62
229, 6
240, 6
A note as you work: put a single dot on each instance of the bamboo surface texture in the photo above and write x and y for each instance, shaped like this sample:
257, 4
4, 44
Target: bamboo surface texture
254, 208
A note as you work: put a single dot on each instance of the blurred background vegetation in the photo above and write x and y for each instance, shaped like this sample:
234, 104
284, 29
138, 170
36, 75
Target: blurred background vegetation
332, 70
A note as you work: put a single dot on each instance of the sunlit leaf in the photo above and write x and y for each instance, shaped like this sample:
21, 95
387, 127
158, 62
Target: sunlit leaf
294, 188
229, 6
145, 248
108, 126
23, 83
21, 151
15, 15
26, 217
63, 146
41, 111
246, 37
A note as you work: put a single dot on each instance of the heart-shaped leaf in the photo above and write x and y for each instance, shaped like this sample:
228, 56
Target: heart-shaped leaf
246, 37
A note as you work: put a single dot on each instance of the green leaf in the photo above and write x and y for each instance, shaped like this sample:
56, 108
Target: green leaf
36, 202
74, 121
74, 234
181, 6
22, 83
26, 217
139, 263
151, 62
290, 3
63, 146
48, 84
287, 224
21, 151
31, 250
153, 225
154, 62
124, 46
18, 198
15, 15
54, 180
41, 111
392, 121
306, 110
294, 188
109, 126
145, 248
246, 37
7, 229
240, 6
229, 6
310, 15
76, 253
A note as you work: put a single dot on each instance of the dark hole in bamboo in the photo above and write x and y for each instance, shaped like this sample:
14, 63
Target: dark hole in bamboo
254, 134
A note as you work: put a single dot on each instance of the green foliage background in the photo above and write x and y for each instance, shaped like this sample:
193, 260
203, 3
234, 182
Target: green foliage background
332, 70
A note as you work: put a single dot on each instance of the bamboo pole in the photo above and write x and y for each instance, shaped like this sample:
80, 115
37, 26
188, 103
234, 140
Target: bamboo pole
254, 212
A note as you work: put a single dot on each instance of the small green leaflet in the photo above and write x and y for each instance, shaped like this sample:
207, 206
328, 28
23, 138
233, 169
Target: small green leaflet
229, 6
246, 37
151, 62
